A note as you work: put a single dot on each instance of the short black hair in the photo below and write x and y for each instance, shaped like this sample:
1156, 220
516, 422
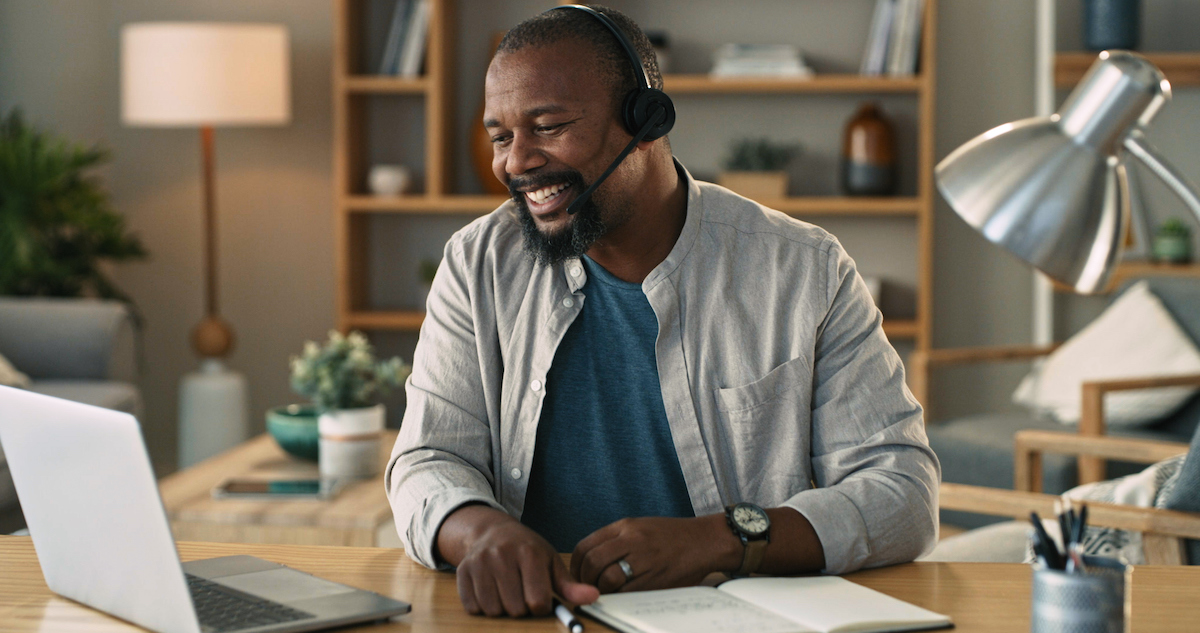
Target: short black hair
557, 25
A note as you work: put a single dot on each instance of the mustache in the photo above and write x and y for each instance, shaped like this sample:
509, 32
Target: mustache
536, 181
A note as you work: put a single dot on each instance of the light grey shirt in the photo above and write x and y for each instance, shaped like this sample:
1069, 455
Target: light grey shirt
779, 385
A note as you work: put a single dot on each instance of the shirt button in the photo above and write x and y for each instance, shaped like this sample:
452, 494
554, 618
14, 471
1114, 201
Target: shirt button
576, 271
515, 473
536, 385
568, 302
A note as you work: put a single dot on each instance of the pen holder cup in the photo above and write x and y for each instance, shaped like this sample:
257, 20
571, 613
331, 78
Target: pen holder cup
1091, 602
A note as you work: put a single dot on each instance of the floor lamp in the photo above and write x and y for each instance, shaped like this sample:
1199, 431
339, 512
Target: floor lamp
205, 75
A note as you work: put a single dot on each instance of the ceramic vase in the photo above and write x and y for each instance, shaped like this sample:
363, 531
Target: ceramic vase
869, 154
350, 442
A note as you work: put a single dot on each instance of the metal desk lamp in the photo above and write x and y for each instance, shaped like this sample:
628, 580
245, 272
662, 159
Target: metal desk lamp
1053, 190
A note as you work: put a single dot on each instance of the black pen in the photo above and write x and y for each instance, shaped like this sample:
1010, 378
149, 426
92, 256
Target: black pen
1049, 548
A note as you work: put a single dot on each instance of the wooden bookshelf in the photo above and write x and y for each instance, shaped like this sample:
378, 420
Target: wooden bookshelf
354, 209
706, 84
1181, 69
1127, 271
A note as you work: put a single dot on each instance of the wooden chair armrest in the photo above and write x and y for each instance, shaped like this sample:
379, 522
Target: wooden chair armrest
1030, 444
1091, 413
1018, 504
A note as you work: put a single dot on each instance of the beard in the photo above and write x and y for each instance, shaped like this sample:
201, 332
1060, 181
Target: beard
583, 229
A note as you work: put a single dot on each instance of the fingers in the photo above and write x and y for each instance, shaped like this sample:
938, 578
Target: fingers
611, 579
536, 581
573, 592
466, 592
589, 543
594, 561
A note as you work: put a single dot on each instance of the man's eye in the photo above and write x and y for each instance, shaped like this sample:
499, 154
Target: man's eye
548, 128
500, 140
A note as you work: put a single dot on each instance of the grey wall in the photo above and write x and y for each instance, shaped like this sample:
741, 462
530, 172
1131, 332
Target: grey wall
58, 60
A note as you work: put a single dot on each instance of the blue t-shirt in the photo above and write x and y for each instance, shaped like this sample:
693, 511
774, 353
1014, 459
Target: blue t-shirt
604, 450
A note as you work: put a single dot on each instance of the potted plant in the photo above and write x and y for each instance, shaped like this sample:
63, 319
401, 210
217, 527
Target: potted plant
755, 168
57, 225
1173, 242
344, 381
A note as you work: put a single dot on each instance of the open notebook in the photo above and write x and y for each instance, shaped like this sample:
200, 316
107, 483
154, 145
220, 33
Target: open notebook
825, 604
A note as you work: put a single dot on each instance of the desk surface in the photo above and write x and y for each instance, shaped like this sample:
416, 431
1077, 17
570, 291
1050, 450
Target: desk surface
981, 597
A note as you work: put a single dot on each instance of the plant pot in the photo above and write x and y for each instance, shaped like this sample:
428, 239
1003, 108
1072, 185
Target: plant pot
1173, 249
350, 442
756, 185
294, 428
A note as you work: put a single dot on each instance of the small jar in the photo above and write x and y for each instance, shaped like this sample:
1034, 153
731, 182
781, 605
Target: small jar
869, 154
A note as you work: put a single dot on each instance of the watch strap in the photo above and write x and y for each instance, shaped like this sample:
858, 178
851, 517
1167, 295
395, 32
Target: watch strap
753, 556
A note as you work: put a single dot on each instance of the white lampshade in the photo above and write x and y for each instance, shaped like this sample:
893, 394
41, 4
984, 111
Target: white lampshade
183, 74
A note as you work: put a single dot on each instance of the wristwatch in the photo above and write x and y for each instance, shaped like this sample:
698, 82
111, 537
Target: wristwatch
752, 526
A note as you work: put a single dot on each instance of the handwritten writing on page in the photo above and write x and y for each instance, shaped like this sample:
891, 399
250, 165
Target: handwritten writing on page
691, 609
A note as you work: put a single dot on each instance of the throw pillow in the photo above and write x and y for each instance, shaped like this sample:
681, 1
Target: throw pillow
1134, 338
10, 377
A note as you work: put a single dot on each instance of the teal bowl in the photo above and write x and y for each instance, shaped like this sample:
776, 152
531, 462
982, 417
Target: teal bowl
294, 428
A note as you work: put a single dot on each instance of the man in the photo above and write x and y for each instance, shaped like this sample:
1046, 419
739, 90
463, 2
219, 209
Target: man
609, 382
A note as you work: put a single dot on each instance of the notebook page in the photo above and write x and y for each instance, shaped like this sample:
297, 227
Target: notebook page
834, 605
686, 610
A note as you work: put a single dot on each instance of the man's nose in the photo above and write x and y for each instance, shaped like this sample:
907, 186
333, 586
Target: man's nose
523, 155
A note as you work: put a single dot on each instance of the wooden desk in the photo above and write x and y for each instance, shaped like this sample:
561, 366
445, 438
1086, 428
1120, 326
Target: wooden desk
981, 597
358, 516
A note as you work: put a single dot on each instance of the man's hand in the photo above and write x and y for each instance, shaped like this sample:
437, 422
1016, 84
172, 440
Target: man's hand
505, 567
665, 552
662, 552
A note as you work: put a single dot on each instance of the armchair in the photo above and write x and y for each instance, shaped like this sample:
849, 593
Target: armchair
1164, 531
78, 349
978, 449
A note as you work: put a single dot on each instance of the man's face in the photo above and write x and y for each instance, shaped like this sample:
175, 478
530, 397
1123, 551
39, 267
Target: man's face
554, 131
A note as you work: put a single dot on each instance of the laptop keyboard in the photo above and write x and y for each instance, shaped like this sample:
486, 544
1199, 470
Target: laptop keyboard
220, 608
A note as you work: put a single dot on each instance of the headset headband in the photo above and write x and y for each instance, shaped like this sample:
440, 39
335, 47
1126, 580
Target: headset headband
634, 58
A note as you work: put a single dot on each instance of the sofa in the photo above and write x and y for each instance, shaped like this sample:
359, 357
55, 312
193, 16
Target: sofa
978, 449
77, 349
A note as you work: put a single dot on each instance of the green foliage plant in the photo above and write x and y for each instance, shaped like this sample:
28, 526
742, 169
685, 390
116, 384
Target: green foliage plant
343, 373
1174, 227
759, 154
57, 224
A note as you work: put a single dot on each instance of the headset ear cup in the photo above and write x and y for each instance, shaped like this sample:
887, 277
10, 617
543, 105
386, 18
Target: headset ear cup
640, 107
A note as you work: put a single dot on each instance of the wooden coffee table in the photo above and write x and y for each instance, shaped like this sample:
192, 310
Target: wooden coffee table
358, 516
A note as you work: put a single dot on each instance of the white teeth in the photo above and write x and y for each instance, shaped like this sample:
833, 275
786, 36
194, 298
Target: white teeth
545, 193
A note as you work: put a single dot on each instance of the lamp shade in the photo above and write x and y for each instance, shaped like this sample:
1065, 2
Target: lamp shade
1053, 190
183, 74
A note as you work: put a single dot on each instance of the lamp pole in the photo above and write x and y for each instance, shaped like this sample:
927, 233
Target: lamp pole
213, 337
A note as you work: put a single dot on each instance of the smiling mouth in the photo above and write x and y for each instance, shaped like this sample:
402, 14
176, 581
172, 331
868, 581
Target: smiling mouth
547, 200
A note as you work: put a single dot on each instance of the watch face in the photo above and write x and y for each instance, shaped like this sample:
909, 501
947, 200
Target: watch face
751, 519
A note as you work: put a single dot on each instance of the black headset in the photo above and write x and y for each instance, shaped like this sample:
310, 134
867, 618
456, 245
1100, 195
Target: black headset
647, 112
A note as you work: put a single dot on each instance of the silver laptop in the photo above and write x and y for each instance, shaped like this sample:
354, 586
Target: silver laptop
101, 534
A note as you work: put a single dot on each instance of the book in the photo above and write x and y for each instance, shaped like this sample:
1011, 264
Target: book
818, 604
414, 41
770, 60
874, 60
395, 37
905, 39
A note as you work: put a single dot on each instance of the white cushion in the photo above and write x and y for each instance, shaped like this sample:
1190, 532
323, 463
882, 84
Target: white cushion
10, 377
1134, 338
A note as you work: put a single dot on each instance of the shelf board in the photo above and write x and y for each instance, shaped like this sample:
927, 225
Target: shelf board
705, 84
799, 206
384, 84
396, 320
1127, 271
410, 321
1181, 69
897, 329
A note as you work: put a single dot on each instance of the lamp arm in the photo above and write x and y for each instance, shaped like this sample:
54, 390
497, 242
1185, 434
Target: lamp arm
1138, 146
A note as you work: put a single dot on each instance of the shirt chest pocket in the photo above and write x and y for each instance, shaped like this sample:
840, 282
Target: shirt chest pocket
790, 382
